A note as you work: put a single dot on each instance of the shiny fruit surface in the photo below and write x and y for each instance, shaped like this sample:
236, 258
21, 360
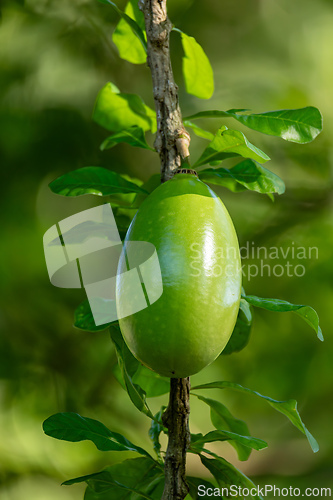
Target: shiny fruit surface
198, 252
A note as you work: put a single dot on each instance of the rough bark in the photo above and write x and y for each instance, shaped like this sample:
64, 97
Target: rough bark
172, 142
176, 418
165, 91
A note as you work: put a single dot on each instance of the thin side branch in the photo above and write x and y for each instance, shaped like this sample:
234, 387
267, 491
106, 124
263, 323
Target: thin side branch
169, 119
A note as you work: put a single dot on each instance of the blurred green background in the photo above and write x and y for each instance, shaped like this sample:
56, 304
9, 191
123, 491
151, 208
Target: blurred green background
55, 55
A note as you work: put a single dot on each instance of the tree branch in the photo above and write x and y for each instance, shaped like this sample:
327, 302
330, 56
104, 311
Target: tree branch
169, 120
175, 419
172, 143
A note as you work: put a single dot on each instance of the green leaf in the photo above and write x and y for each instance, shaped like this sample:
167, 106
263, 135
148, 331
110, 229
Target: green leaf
287, 408
247, 174
116, 111
200, 132
72, 427
214, 114
84, 320
221, 418
228, 143
151, 383
277, 305
223, 435
197, 70
89, 229
156, 427
194, 483
93, 180
135, 136
131, 22
91, 495
227, 475
153, 489
124, 479
294, 125
123, 218
153, 182
241, 333
128, 42
83, 232
135, 392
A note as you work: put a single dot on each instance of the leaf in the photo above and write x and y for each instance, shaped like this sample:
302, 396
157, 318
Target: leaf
287, 408
116, 111
153, 182
134, 136
152, 383
93, 180
228, 143
91, 495
221, 418
124, 200
130, 46
124, 479
247, 174
84, 320
200, 132
223, 435
135, 392
241, 333
294, 125
88, 229
277, 305
227, 475
194, 483
72, 427
131, 22
156, 427
197, 70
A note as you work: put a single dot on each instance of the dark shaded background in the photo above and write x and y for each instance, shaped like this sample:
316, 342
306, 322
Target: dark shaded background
54, 58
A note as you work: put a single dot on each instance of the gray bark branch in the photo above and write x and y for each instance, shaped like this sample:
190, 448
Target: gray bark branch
165, 91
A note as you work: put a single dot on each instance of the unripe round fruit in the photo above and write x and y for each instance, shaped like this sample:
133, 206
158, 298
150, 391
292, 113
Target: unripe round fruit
197, 247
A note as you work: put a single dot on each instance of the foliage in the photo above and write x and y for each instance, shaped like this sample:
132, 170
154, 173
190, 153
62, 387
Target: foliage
128, 118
